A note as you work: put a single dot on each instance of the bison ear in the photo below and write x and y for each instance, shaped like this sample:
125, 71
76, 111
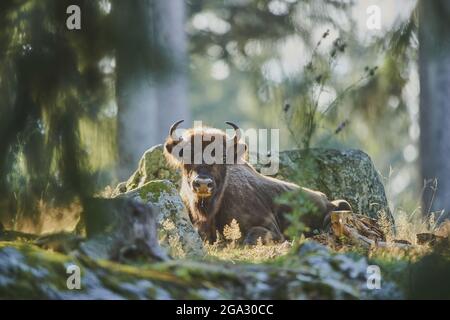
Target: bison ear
239, 146
169, 145
174, 160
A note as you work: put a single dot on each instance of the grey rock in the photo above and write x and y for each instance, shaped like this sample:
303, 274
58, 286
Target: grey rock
152, 166
121, 230
155, 183
347, 274
29, 272
175, 231
340, 174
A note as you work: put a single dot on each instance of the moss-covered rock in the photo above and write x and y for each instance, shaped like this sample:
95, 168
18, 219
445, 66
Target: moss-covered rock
176, 232
152, 166
28, 272
340, 174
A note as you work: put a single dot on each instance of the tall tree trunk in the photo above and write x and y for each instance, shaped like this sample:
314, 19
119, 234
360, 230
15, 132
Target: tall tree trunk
434, 61
151, 80
171, 87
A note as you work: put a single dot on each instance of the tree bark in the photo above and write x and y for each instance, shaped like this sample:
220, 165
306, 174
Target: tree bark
434, 64
151, 81
171, 87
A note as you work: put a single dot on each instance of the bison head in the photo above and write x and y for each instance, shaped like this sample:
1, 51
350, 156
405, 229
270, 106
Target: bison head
203, 154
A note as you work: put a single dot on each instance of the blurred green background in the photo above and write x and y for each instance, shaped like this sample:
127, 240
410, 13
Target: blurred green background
79, 107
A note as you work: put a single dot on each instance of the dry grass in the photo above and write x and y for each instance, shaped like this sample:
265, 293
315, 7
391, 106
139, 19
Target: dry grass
407, 226
49, 219
229, 248
258, 253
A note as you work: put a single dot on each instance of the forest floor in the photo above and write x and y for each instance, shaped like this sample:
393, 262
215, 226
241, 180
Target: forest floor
406, 229
419, 269
297, 269
291, 270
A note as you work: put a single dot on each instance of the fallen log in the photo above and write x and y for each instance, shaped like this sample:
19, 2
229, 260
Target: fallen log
362, 230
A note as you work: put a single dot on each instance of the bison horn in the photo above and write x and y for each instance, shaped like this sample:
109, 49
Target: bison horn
174, 127
237, 134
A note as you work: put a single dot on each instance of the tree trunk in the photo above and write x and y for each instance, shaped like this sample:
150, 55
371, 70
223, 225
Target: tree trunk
434, 61
151, 81
171, 87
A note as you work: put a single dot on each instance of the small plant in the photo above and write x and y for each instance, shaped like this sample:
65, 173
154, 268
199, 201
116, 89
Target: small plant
233, 251
176, 247
169, 236
300, 205
386, 225
232, 232
304, 117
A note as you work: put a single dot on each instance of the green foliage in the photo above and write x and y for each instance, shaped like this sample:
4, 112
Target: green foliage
301, 206
429, 277
58, 123
246, 46
50, 82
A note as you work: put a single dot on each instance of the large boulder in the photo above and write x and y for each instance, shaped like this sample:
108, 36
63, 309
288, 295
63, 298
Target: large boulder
175, 231
340, 174
155, 183
120, 230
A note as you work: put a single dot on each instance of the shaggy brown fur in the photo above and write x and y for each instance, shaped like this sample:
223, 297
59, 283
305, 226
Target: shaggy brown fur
237, 191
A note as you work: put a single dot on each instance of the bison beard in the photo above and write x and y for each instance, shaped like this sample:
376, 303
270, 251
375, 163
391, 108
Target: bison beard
217, 193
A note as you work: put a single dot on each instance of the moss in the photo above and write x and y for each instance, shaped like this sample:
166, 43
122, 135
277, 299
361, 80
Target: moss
37, 273
152, 166
151, 191
340, 174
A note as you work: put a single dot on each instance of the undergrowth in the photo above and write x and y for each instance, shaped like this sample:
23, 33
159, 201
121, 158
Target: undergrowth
229, 249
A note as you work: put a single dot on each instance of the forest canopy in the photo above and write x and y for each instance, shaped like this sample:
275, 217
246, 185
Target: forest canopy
71, 99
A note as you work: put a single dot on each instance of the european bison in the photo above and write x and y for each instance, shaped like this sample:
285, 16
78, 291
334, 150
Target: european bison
215, 192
